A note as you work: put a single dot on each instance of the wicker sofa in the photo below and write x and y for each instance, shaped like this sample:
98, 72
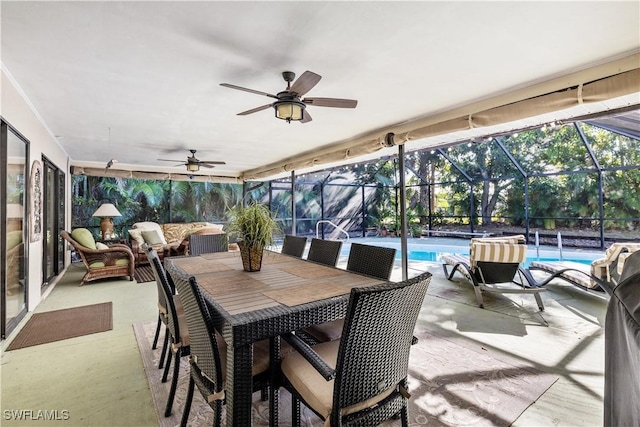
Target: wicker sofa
170, 239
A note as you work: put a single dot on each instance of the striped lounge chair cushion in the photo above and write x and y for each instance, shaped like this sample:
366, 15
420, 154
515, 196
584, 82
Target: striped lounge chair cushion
499, 252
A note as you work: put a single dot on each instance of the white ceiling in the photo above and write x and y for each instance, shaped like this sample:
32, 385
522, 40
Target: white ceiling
137, 81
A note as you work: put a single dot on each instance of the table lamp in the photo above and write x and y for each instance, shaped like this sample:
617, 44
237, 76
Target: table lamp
107, 211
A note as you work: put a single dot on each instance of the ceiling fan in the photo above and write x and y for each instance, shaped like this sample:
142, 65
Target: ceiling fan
289, 104
193, 164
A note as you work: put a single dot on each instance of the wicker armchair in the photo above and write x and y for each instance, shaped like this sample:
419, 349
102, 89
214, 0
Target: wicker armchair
208, 351
294, 245
324, 251
373, 261
208, 243
362, 378
114, 261
178, 329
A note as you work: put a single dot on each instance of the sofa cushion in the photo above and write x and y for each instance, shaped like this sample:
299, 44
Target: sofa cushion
136, 234
149, 225
84, 237
151, 237
119, 262
212, 225
174, 232
100, 246
203, 230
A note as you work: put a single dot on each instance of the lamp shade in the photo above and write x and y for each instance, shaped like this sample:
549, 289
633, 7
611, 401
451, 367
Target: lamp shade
107, 210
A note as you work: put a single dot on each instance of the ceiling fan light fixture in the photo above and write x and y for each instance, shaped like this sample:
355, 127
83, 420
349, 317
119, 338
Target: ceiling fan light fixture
289, 110
193, 167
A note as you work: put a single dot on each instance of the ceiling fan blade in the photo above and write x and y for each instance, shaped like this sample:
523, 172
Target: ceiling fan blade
305, 83
212, 162
167, 160
331, 102
254, 110
204, 165
306, 117
257, 92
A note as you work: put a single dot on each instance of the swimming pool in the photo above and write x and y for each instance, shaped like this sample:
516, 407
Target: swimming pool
433, 253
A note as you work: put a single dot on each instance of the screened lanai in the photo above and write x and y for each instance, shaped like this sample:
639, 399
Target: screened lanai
579, 178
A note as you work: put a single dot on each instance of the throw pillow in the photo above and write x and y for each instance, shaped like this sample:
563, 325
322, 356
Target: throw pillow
100, 246
151, 237
150, 225
136, 235
84, 237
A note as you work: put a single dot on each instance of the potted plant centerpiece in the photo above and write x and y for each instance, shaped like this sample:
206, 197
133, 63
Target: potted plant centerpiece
253, 226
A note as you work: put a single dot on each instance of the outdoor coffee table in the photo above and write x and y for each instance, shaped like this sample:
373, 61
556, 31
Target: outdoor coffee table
287, 294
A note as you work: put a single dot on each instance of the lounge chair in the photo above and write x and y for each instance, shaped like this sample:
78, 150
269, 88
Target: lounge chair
492, 266
602, 275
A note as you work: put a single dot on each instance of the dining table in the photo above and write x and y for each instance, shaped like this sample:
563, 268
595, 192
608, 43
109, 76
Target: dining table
286, 294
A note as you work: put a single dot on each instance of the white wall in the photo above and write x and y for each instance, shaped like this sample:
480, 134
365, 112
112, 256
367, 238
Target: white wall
16, 110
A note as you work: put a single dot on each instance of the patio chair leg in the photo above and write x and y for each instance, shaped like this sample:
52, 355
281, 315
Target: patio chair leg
479, 299
157, 334
295, 411
174, 383
539, 301
166, 368
163, 354
187, 403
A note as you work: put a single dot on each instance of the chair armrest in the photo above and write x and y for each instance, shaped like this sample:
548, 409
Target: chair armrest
311, 356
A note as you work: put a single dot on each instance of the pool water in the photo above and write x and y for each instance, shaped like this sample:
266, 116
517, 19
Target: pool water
435, 257
424, 253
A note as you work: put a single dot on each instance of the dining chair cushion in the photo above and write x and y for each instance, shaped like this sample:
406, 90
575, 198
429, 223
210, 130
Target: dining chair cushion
313, 388
84, 237
328, 331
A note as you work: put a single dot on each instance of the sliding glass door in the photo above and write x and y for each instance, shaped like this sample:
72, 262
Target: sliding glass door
14, 152
53, 220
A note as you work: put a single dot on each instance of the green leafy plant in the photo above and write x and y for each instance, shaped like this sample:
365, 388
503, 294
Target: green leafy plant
254, 225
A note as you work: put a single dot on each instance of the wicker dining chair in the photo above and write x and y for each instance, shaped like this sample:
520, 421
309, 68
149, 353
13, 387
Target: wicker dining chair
209, 353
163, 315
178, 329
360, 379
324, 251
294, 245
376, 261
373, 261
208, 243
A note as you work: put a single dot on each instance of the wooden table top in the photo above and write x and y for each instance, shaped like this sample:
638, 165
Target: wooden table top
282, 281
